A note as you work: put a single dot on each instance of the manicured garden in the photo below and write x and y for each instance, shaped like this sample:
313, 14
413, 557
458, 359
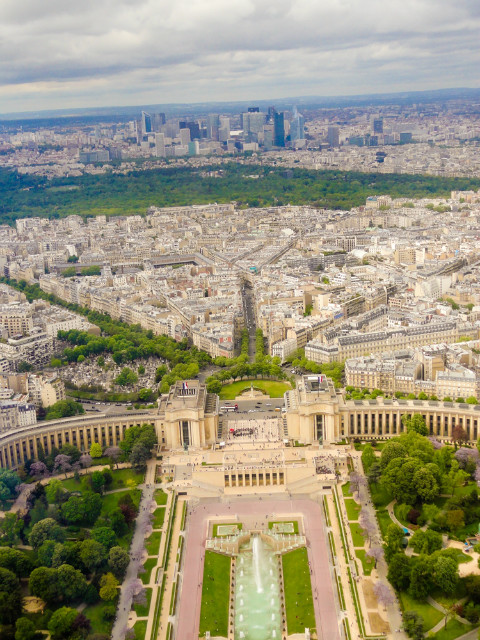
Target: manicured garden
271, 388
215, 594
298, 591
160, 497
158, 518
153, 543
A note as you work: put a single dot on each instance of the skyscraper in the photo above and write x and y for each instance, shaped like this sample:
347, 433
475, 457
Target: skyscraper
378, 125
213, 123
146, 122
279, 129
333, 136
297, 126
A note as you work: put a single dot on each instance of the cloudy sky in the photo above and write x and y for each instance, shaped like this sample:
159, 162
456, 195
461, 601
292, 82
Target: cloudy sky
90, 53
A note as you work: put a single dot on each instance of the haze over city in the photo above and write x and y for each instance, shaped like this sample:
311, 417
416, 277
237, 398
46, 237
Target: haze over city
69, 54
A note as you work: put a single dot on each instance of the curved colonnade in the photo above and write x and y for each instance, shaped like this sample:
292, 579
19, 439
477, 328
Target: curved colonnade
16, 447
330, 420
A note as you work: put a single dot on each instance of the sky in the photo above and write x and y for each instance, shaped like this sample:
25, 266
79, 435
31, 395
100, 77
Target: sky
63, 54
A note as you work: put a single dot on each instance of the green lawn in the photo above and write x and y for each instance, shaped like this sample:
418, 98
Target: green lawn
215, 594
430, 615
298, 591
294, 522
380, 497
346, 489
367, 563
271, 388
122, 479
454, 630
353, 509
110, 501
384, 521
142, 609
94, 613
140, 628
148, 566
158, 518
358, 539
153, 543
161, 497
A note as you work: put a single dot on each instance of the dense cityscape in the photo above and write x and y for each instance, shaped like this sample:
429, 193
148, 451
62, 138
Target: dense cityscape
240, 341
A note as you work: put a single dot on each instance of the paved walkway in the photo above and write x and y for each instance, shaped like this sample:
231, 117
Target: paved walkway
136, 554
394, 613
391, 513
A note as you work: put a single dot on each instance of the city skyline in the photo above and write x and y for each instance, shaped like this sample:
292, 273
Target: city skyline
66, 57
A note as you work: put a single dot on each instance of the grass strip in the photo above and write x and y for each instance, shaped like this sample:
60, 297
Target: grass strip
332, 545
173, 598
180, 550
356, 602
327, 513
215, 594
166, 550
184, 516
298, 591
158, 609
347, 629
340, 524
341, 595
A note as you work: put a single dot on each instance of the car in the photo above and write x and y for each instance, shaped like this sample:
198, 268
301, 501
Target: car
268, 404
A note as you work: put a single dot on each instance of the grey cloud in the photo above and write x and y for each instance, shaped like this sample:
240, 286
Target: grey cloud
64, 50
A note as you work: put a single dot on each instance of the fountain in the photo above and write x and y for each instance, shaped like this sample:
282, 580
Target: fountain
257, 593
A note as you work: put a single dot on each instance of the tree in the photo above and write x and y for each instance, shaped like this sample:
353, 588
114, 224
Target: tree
113, 453
73, 511
71, 582
399, 569
138, 457
426, 484
10, 597
145, 434
92, 554
92, 506
393, 449
62, 463
39, 470
445, 574
86, 460
455, 519
24, 629
15, 561
415, 423
64, 409
126, 378
97, 481
61, 623
43, 530
421, 577
368, 458
413, 625
118, 560
96, 450
384, 594
459, 435
105, 536
394, 539
426, 541
43, 584
108, 587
